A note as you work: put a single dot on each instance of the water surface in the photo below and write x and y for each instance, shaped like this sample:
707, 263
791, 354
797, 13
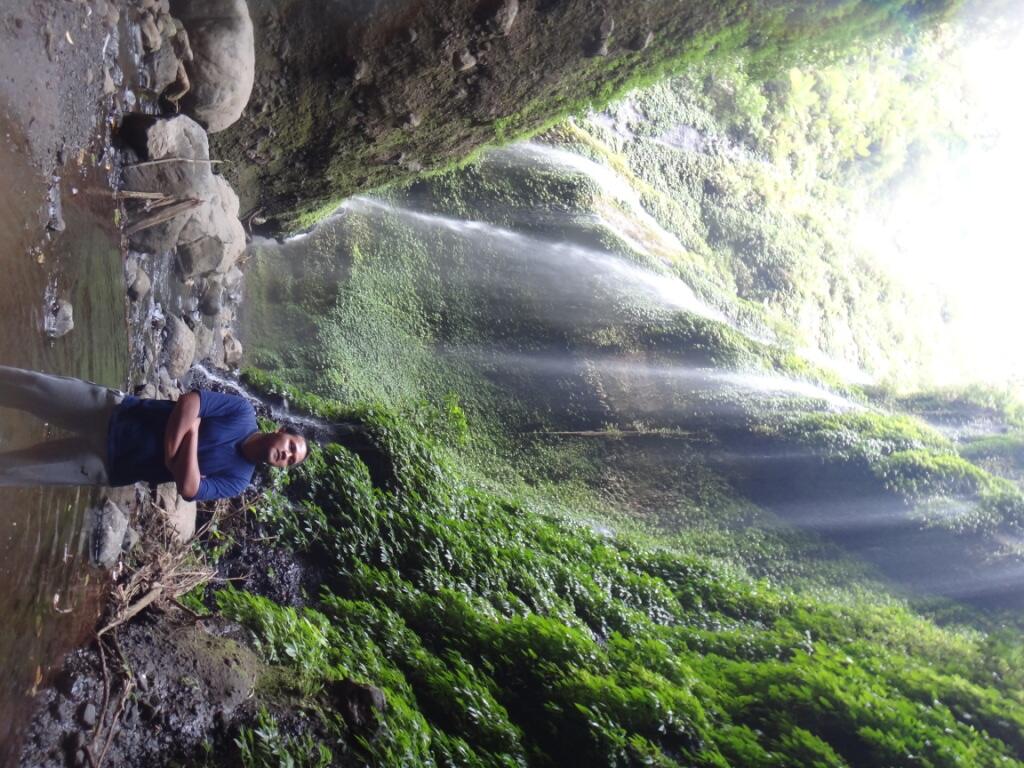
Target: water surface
49, 593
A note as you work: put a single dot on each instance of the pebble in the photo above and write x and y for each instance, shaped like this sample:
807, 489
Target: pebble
87, 714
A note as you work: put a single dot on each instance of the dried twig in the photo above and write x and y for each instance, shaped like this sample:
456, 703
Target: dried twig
165, 213
128, 194
164, 160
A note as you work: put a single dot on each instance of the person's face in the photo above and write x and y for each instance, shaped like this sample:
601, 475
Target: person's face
285, 449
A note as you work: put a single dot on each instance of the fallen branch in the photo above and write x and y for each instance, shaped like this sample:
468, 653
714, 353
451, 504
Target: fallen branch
164, 160
163, 214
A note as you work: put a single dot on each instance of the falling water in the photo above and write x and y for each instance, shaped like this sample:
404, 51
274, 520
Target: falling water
564, 260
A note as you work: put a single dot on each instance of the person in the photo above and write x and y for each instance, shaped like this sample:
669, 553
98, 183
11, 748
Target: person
207, 443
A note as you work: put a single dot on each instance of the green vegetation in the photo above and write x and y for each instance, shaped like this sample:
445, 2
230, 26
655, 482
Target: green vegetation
613, 530
505, 637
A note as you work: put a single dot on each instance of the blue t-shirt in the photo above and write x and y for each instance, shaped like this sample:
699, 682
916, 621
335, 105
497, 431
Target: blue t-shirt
135, 443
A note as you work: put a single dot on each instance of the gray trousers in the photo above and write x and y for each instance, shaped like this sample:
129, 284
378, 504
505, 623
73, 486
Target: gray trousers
73, 405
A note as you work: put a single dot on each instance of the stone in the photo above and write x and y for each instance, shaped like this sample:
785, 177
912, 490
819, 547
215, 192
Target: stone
164, 64
151, 37
208, 237
59, 320
166, 387
223, 68
233, 351
131, 540
179, 514
107, 527
205, 340
179, 348
463, 61
140, 286
211, 299
360, 704
642, 41
505, 16
233, 280
413, 120
213, 239
87, 714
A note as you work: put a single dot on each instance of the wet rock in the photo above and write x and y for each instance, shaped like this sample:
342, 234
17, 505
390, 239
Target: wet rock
59, 319
151, 38
87, 714
179, 348
363, 72
505, 16
233, 351
359, 704
213, 239
642, 41
164, 65
463, 61
232, 282
166, 387
210, 300
603, 37
223, 67
205, 339
107, 525
140, 285
208, 237
179, 514
55, 220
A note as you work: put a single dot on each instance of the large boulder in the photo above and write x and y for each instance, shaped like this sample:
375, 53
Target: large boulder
223, 67
180, 347
213, 238
176, 163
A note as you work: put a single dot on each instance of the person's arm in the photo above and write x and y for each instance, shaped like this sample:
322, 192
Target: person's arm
183, 419
184, 465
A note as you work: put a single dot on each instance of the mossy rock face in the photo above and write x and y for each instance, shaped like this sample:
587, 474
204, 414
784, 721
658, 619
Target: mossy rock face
352, 98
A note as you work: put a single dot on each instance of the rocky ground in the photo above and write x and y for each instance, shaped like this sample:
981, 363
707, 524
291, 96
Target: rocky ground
136, 85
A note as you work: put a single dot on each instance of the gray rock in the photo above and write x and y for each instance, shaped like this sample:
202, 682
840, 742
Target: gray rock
213, 238
208, 237
87, 714
179, 348
59, 320
179, 514
463, 61
140, 286
205, 340
151, 37
164, 64
642, 41
211, 299
223, 67
179, 138
108, 525
232, 349
360, 705
166, 387
505, 16
233, 279
131, 540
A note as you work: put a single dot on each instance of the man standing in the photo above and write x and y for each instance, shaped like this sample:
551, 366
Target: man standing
207, 443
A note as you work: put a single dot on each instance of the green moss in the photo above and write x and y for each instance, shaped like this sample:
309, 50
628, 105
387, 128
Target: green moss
503, 637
